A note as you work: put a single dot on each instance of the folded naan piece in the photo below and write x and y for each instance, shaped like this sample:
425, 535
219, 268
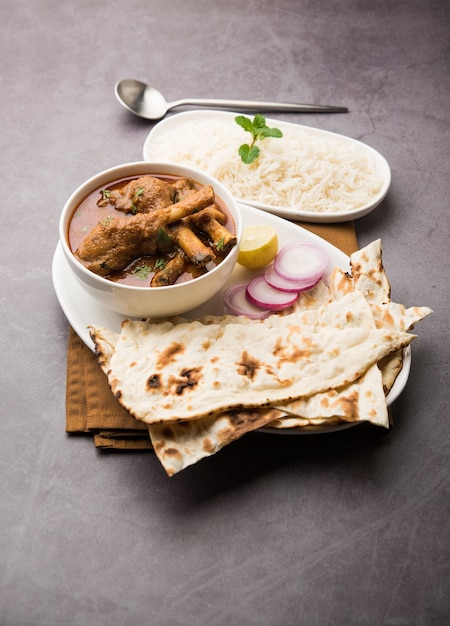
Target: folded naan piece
367, 274
361, 401
180, 444
369, 277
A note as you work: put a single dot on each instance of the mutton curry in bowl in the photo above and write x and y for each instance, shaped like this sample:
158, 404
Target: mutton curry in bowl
151, 239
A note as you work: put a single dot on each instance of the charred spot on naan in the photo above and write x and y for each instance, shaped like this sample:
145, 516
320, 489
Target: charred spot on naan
241, 420
169, 354
293, 352
349, 405
153, 382
341, 282
188, 379
384, 318
208, 446
248, 366
168, 451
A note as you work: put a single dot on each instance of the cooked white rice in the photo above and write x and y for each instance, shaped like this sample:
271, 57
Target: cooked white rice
304, 170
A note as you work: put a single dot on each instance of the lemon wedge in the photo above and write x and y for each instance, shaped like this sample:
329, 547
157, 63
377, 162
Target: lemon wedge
259, 246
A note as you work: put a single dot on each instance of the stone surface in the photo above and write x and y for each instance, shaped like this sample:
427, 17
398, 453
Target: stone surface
270, 531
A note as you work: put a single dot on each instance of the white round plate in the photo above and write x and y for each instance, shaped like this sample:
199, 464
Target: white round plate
81, 309
175, 122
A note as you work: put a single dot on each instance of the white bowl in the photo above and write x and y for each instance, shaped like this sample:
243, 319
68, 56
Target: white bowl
150, 301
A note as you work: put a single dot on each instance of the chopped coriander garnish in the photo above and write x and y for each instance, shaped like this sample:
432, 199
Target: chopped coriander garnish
107, 220
163, 238
160, 264
259, 131
139, 191
141, 272
105, 193
137, 194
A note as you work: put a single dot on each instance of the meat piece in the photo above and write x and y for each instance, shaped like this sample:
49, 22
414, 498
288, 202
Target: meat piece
114, 244
141, 195
169, 274
211, 221
211, 211
197, 252
183, 187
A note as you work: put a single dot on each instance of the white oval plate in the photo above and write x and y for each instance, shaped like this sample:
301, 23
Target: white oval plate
81, 309
379, 163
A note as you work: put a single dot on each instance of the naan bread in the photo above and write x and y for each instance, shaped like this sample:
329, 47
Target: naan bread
368, 273
180, 444
105, 341
390, 367
369, 277
165, 372
361, 401
200, 385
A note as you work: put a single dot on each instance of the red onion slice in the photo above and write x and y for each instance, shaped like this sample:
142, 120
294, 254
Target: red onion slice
278, 282
260, 293
237, 303
301, 262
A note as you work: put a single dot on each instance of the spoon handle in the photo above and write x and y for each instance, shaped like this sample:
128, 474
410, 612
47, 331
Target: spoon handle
252, 105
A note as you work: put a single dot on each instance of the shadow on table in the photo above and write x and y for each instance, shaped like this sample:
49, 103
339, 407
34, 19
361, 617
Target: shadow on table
258, 456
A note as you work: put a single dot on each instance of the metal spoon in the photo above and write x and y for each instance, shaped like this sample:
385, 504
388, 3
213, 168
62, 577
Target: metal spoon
147, 102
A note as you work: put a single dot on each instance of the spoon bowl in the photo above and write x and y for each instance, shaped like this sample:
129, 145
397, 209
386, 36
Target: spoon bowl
141, 99
147, 102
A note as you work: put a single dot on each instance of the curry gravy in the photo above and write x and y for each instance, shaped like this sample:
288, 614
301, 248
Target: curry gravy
141, 270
